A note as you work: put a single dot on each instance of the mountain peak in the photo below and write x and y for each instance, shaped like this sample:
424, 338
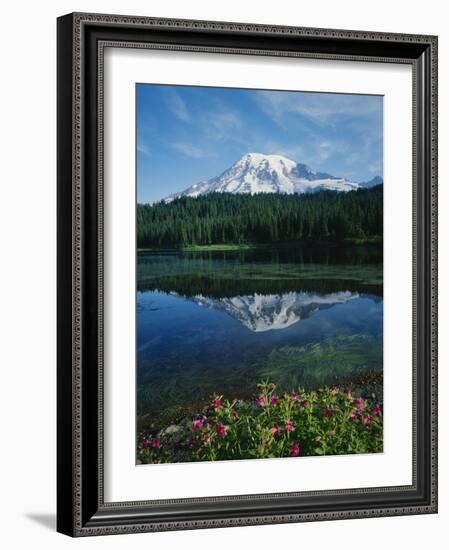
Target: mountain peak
377, 180
260, 313
257, 173
257, 158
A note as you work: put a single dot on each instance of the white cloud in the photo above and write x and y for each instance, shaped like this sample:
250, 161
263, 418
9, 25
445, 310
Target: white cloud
190, 150
178, 106
226, 119
319, 107
293, 152
273, 105
221, 124
326, 149
375, 168
144, 149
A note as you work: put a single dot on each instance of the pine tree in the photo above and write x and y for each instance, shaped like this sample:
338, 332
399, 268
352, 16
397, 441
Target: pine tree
227, 218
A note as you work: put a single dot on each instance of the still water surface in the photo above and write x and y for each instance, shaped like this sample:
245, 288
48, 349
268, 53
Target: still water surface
223, 321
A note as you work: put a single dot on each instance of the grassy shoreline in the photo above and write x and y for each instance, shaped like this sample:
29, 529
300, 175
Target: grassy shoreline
218, 247
225, 247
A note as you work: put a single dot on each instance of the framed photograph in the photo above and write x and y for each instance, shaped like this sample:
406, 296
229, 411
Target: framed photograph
247, 288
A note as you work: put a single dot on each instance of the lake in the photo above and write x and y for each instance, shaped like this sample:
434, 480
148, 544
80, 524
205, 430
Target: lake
220, 322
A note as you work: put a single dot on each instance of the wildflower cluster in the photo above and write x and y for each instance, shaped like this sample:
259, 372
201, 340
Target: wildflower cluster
329, 421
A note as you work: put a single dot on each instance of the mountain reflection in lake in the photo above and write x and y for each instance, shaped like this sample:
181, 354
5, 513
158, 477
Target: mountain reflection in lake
273, 311
222, 321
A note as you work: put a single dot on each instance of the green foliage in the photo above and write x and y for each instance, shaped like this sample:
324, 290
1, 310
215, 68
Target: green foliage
223, 218
324, 422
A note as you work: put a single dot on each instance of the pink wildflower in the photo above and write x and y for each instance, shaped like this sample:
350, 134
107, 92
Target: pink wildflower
359, 403
295, 396
275, 430
199, 423
216, 404
222, 430
156, 443
206, 439
353, 416
262, 401
367, 420
145, 442
273, 400
377, 410
295, 449
289, 426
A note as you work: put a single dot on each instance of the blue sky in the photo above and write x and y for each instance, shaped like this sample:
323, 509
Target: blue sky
189, 134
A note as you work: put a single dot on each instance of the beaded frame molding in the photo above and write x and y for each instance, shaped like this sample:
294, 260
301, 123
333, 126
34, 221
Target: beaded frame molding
82, 37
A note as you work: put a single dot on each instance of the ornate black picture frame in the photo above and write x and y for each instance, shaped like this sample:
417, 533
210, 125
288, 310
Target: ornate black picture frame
81, 509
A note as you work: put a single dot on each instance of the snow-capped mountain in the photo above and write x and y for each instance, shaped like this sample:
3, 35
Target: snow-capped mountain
377, 180
258, 173
260, 312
